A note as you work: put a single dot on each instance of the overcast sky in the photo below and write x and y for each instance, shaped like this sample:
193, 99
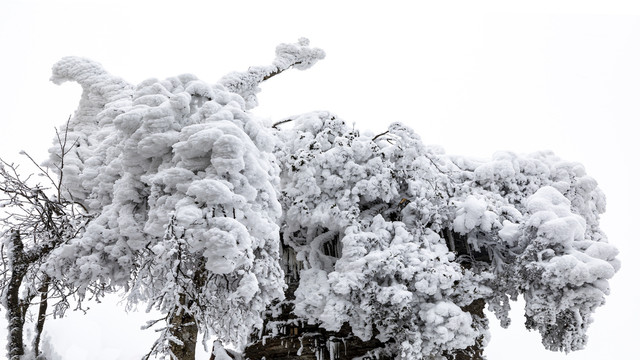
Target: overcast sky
474, 77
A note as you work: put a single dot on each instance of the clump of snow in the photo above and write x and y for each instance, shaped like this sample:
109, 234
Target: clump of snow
473, 214
556, 260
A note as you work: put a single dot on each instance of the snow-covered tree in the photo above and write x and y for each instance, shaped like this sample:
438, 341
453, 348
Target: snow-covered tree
183, 182
309, 238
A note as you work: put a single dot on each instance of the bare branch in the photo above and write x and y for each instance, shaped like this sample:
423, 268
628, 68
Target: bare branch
379, 135
275, 125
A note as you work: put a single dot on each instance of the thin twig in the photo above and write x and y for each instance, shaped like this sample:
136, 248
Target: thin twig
275, 126
381, 134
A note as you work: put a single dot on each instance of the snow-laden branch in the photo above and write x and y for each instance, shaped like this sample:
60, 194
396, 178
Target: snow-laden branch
98, 86
93, 78
297, 56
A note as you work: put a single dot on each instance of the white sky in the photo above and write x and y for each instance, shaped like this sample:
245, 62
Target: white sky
473, 76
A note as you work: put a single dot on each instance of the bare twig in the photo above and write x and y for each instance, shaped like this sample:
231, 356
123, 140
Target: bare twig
275, 125
379, 135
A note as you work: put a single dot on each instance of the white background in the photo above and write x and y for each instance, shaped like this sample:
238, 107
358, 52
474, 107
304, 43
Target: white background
473, 76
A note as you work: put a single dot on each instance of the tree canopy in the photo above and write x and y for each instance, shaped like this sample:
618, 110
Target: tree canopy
209, 214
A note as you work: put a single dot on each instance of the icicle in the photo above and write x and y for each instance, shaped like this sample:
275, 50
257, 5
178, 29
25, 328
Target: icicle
318, 350
301, 347
344, 342
334, 348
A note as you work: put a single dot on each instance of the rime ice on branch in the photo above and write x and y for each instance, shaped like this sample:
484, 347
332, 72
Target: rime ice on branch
389, 247
298, 56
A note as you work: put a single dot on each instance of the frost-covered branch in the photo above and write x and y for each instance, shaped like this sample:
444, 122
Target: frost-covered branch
288, 56
33, 226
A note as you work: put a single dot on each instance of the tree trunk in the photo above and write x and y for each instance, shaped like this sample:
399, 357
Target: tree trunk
15, 316
184, 328
42, 314
183, 324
